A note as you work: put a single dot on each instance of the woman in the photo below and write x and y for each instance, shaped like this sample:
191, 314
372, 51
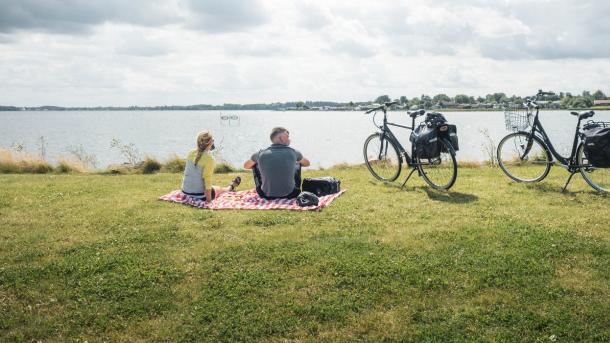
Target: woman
198, 171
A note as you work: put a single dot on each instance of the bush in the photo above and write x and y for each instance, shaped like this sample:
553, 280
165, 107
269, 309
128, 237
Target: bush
223, 168
174, 164
118, 169
149, 165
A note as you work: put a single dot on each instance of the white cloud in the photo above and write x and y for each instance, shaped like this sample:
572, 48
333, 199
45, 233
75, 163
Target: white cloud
187, 51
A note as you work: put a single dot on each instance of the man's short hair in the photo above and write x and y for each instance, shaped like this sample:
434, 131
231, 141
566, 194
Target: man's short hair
276, 131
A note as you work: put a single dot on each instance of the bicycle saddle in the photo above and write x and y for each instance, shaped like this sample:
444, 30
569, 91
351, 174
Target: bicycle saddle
583, 114
416, 113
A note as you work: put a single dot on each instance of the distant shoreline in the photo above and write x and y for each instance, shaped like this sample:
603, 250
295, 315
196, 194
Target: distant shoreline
600, 108
221, 109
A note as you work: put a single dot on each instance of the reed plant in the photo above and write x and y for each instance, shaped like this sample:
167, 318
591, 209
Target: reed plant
22, 162
70, 166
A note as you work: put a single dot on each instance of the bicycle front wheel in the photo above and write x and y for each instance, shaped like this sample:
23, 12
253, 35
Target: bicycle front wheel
598, 178
524, 158
382, 157
439, 172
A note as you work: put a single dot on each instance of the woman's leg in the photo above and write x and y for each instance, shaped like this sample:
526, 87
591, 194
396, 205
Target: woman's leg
219, 190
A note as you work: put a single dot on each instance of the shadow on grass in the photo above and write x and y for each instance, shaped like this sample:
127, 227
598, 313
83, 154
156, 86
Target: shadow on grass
546, 188
553, 188
452, 197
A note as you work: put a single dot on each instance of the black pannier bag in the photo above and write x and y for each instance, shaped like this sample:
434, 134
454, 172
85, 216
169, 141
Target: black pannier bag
321, 186
597, 146
453, 138
426, 142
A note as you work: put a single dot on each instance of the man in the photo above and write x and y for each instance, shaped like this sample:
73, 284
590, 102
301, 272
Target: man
277, 169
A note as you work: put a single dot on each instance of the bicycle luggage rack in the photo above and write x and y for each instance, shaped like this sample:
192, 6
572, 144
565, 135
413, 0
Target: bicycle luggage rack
591, 124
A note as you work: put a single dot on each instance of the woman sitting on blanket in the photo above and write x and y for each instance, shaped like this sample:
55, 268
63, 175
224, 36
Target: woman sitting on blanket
198, 171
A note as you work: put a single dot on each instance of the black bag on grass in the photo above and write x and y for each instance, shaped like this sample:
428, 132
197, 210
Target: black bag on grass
305, 199
597, 146
321, 186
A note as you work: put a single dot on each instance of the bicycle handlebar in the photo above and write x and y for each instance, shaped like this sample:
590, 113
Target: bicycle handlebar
532, 101
382, 107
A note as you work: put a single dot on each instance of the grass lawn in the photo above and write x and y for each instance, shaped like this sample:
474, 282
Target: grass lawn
98, 258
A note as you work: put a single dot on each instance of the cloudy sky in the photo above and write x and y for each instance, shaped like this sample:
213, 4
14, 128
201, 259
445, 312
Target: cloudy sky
147, 52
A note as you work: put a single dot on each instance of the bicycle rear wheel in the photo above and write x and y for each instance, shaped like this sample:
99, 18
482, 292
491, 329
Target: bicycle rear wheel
382, 157
522, 158
439, 172
598, 178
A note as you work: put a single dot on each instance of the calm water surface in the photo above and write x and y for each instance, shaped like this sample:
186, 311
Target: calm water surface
326, 138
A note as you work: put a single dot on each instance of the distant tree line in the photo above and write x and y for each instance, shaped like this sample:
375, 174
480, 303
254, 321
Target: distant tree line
495, 100
438, 101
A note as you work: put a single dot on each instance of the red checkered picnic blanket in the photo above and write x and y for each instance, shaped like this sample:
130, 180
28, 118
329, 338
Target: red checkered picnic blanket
247, 200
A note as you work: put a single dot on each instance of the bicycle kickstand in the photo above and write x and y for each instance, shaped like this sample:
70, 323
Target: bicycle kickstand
568, 182
408, 177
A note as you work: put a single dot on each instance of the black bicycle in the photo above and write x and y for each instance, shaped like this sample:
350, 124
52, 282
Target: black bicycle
384, 154
526, 154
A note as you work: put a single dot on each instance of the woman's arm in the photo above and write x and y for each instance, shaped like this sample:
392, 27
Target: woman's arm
208, 195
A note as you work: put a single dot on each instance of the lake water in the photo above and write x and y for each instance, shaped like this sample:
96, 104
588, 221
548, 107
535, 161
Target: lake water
326, 138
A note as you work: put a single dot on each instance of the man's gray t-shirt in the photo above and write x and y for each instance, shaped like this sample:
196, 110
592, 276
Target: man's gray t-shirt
277, 165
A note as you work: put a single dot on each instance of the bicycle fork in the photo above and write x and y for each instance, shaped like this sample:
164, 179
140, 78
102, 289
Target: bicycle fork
384, 148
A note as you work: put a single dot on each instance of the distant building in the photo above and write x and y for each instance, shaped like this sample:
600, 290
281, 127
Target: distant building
601, 102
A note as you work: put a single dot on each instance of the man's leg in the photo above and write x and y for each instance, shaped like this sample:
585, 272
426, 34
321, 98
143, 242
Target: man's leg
258, 181
297, 177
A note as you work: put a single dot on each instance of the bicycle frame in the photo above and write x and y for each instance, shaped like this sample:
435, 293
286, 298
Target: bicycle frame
386, 132
538, 130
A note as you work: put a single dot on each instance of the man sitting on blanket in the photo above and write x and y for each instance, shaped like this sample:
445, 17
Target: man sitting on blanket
277, 169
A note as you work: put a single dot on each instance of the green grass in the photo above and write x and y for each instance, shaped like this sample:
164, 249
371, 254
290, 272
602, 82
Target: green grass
98, 258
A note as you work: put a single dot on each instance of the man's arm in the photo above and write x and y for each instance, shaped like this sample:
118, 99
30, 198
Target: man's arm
249, 164
304, 162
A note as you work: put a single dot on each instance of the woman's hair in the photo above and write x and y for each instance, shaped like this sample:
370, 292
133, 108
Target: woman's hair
204, 139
